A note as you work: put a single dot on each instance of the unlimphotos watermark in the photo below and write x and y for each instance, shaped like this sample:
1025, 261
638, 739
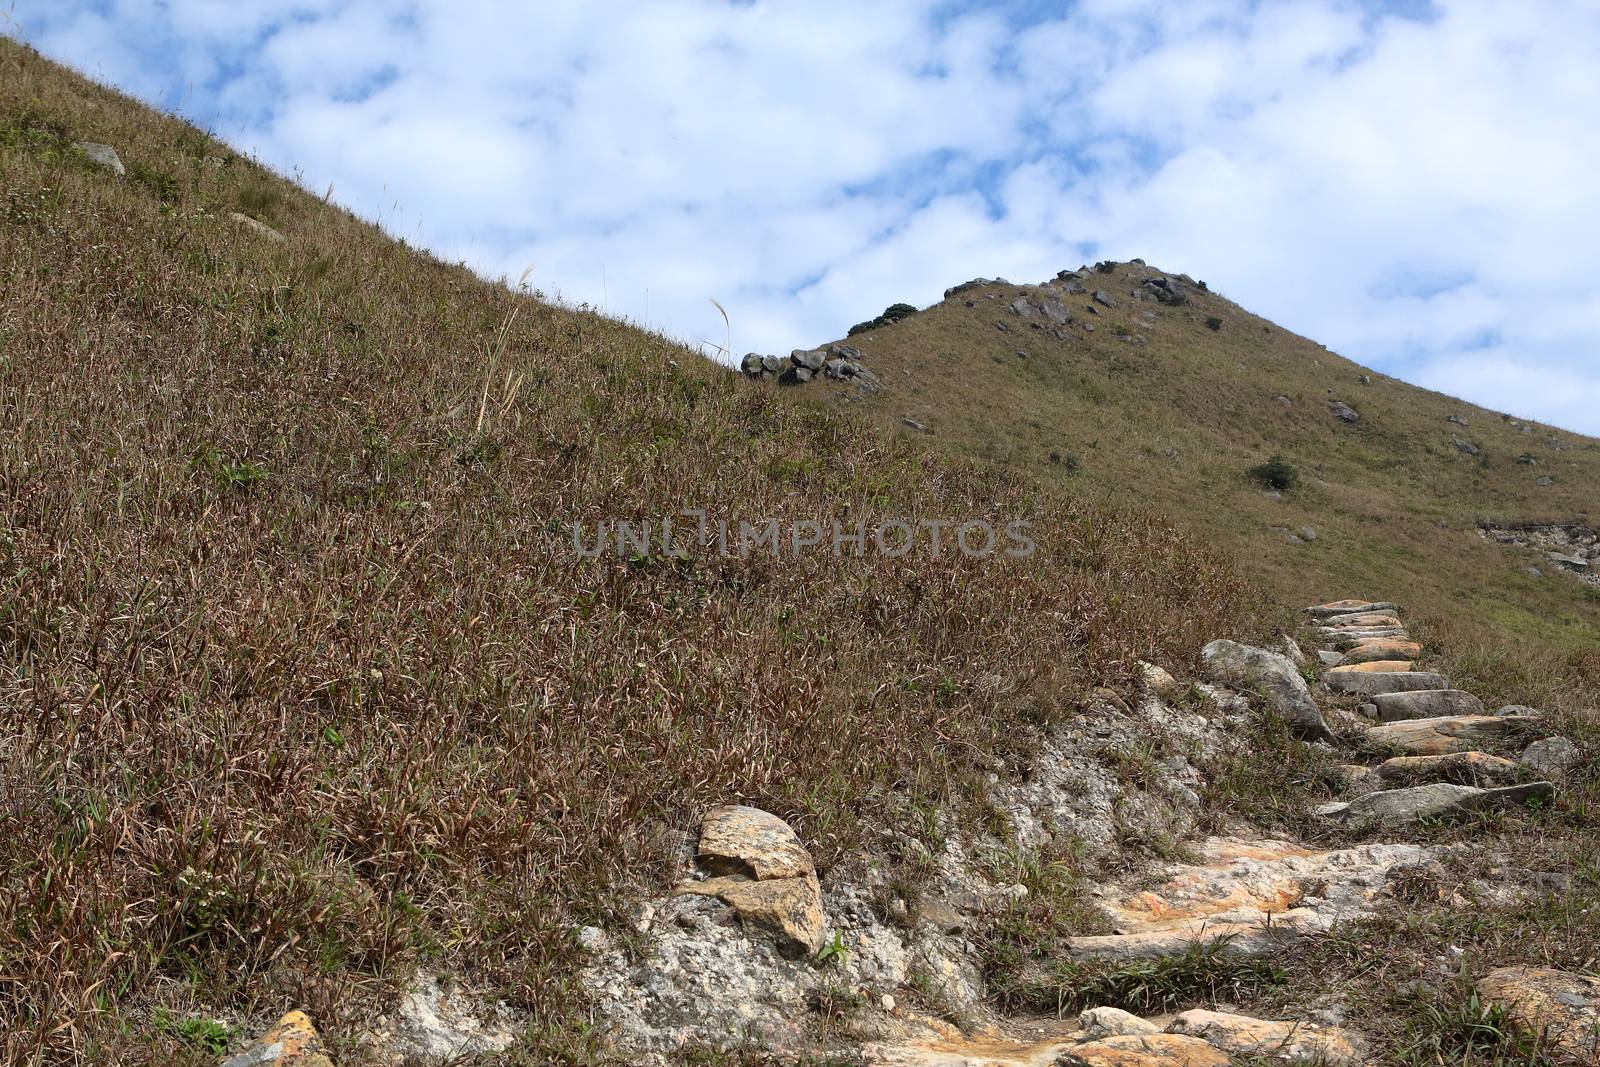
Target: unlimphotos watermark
974, 538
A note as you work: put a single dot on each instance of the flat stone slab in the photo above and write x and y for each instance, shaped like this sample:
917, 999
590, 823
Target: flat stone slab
1254, 894
1377, 666
1381, 649
1561, 1007
1453, 733
1437, 800
1463, 768
1363, 620
1426, 704
1276, 1042
1372, 683
1348, 607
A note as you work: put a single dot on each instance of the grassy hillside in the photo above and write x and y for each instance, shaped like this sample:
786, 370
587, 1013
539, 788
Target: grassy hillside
1173, 405
301, 683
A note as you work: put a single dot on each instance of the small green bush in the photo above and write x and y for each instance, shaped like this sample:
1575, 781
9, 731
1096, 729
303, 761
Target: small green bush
1276, 473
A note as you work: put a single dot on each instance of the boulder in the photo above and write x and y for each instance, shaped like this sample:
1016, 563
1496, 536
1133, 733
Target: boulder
1291, 648
1551, 757
1456, 733
1103, 298
1437, 800
1274, 676
771, 364
1329, 659
1273, 1042
1556, 1006
808, 359
294, 1042
103, 156
1426, 704
1463, 768
1344, 412
751, 364
1372, 683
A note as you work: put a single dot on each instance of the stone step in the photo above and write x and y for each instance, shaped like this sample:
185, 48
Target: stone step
1464, 768
1254, 894
1110, 1037
1365, 620
1373, 683
1426, 704
1436, 800
1381, 650
1347, 607
1350, 638
1450, 733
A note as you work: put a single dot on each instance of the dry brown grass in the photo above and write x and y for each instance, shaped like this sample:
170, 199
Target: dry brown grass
300, 683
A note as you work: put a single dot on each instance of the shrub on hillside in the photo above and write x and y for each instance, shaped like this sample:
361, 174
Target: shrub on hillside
892, 313
1276, 473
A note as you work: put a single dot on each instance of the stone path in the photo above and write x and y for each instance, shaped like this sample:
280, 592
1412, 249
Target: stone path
1425, 746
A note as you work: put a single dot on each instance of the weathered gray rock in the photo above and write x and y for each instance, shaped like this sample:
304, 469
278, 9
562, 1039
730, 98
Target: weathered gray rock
1329, 658
1274, 676
1465, 447
1518, 709
751, 364
810, 359
103, 156
1098, 1023
1344, 412
256, 226
1437, 800
771, 364
1426, 704
1104, 299
1373, 683
1552, 757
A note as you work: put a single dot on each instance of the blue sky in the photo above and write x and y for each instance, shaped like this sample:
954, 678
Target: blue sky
1411, 183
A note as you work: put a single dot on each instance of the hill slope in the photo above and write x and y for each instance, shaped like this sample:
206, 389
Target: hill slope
302, 684
1174, 403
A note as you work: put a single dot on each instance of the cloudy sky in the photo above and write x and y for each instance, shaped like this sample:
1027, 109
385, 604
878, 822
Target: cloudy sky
1412, 183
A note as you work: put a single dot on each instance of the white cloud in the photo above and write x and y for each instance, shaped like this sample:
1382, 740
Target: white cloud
1417, 194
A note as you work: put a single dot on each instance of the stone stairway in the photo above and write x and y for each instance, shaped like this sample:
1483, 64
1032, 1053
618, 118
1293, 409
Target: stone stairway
1423, 742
